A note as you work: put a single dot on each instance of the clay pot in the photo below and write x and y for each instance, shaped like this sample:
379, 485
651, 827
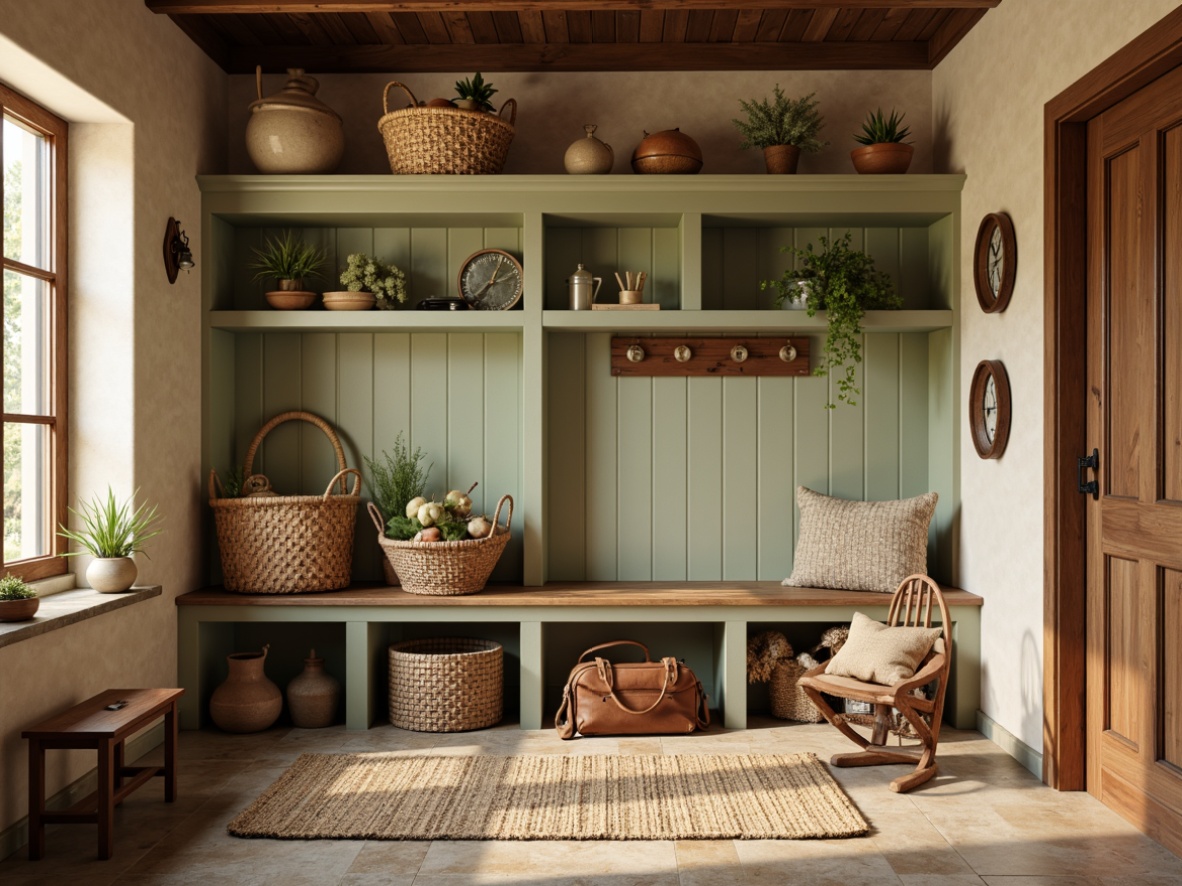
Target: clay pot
110, 575
891, 158
19, 610
313, 696
247, 701
781, 159
669, 152
589, 156
293, 131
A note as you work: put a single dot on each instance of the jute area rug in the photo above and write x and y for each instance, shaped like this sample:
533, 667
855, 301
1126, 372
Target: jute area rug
552, 797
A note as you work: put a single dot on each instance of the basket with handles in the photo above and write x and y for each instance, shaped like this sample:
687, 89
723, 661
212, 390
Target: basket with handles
445, 140
287, 544
446, 568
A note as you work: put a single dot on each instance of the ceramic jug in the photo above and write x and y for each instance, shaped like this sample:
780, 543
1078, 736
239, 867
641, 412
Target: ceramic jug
293, 131
313, 696
583, 289
247, 701
588, 155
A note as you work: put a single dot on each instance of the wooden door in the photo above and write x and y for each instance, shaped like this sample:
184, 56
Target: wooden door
1134, 525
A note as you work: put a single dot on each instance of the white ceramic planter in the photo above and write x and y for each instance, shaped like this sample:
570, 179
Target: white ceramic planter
112, 574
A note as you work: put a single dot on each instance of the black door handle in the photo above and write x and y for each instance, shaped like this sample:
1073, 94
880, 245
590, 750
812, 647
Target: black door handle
1089, 487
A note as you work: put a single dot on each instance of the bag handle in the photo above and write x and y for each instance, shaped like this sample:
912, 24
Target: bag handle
497, 513
670, 671
647, 657
563, 722
385, 92
342, 477
375, 514
297, 415
512, 111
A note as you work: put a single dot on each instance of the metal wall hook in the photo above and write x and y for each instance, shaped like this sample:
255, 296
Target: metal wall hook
738, 353
682, 354
636, 353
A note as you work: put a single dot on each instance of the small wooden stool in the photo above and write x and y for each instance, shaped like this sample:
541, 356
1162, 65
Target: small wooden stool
92, 725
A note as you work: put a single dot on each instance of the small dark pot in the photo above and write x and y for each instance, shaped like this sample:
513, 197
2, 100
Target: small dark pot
781, 159
890, 158
19, 610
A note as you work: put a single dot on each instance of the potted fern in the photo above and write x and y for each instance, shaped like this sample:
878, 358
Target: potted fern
474, 94
18, 602
111, 533
783, 127
289, 262
394, 481
885, 150
844, 283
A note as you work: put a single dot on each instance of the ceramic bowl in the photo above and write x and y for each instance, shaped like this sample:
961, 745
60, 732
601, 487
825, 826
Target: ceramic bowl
349, 301
296, 300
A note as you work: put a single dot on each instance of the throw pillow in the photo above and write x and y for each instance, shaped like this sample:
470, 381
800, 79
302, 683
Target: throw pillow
860, 545
875, 653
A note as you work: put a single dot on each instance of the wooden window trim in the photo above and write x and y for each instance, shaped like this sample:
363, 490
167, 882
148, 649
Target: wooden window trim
57, 131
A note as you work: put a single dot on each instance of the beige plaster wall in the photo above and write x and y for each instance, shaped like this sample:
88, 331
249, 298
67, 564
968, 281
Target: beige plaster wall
552, 108
147, 112
988, 98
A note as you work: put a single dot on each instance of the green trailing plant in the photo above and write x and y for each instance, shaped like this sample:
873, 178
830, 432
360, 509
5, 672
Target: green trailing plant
844, 283
232, 482
477, 90
394, 480
12, 587
364, 273
287, 258
781, 121
110, 529
878, 130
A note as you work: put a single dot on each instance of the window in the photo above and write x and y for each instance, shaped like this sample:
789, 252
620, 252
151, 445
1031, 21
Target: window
33, 192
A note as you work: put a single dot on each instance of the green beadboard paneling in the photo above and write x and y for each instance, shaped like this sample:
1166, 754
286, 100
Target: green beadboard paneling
605, 250
740, 479
880, 394
503, 443
566, 500
775, 492
669, 465
635, 507
601, 460
704, 455
355, 419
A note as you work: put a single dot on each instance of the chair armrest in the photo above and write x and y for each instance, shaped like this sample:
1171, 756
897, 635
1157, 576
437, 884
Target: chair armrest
925, 675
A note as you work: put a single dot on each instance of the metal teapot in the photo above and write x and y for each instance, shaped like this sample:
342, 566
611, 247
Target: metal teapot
584, 287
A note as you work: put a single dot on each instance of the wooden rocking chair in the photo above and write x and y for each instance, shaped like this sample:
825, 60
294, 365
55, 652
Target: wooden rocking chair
911, 606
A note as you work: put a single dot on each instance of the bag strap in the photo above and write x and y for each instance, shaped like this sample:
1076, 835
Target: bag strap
564, 723
647, 657
316, 420
703, 717
670, 671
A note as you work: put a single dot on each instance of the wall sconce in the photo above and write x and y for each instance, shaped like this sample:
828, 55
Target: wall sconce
177, 254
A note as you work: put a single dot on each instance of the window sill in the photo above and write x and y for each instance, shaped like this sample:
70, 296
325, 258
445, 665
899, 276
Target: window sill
68, 607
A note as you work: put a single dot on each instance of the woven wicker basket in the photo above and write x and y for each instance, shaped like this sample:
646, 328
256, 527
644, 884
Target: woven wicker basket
788, 700
287, 544
445, 140
446, 685
445, 568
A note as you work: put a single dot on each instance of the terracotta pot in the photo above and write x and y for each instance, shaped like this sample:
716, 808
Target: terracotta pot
781, 159
293, 131
110, 575
313, 696
19, 610
669, 152
891, 158
247, 701
588, 155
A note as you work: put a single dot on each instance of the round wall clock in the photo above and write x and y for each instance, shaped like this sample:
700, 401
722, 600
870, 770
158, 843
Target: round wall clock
491, 280
995, 262
989, 409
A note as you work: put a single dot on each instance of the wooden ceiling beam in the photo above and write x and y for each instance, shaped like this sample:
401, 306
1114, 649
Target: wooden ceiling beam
582, 57
951, 33
247, 7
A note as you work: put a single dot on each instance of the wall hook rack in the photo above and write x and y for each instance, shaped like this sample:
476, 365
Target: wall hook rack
681, 356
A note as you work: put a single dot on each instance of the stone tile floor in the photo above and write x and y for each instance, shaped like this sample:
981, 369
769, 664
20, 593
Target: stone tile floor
984, 820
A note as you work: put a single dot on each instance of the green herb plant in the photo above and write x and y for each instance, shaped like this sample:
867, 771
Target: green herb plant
110, 529
394, 480
477, 90
13, 588
781, 121
844, 283
878, 130
364, 273
232, 483
287, 258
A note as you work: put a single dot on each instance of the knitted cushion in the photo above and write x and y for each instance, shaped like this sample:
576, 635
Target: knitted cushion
860, 545
875, 653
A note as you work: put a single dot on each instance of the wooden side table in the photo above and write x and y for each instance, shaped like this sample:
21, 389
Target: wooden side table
91, 725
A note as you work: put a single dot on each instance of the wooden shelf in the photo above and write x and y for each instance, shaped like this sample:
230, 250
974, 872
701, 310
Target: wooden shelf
366, 321
737, 321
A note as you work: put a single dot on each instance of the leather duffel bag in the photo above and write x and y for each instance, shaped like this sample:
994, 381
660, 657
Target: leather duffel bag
633, 698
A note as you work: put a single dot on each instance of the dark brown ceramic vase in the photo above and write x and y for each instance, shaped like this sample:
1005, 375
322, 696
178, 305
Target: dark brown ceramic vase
313, 696
885, 158
669, 152
781, 159
247, 701
19, 610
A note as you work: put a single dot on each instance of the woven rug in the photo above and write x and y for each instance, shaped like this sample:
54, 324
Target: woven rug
552, 797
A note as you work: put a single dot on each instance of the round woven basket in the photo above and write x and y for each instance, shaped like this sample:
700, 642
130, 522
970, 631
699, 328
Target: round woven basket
446, 685
788, 700
445, 568
445, 140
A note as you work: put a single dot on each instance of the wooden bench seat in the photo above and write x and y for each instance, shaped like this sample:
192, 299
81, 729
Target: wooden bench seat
366, 609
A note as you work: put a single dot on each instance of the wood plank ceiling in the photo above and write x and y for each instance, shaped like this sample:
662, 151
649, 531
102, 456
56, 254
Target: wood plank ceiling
338, 36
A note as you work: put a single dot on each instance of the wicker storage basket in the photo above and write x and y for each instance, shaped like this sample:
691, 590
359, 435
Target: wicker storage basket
447, 685
788, 700
287, 544
445, 568
445, 140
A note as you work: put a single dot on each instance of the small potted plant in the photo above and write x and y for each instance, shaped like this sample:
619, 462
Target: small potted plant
18, 602
783, 127
844, 283
290, 262
111, 533
474, 94
366, 280
885, 150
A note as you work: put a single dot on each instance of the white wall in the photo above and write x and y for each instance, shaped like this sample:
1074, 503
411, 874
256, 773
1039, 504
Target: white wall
988, 98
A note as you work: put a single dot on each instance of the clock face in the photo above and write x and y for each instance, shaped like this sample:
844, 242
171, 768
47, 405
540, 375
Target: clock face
989, 409
994, 262
491, 280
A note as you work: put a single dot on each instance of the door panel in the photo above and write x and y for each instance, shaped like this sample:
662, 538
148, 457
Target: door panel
1125, 641
1171, 700
1172, 286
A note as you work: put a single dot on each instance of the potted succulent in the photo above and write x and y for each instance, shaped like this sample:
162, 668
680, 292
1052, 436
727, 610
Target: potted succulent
885, 150
111, 533
844, 283
18, 602
289, 261
783, 127
366, 280
474, 94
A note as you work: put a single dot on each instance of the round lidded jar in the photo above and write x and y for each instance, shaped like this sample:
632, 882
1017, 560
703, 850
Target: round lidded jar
669, 152
589, 156
293, 131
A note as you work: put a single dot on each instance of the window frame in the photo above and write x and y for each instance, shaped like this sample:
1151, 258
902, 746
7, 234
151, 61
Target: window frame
55, 131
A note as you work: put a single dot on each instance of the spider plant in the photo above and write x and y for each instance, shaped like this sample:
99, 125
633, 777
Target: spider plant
287, 258
110, 529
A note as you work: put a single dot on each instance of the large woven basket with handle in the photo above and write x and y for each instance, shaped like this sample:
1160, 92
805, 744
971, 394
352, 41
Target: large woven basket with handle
445, 140
287, 544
